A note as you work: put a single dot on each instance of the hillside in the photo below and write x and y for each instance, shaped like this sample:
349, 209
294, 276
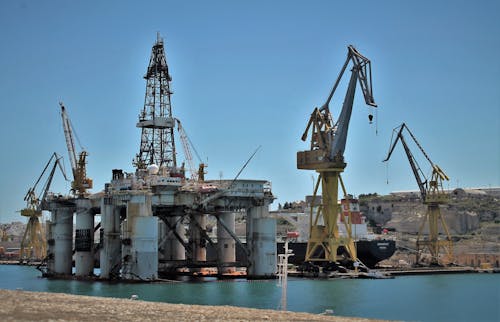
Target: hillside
472, 216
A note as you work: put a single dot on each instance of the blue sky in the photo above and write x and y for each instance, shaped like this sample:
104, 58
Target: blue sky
249, 73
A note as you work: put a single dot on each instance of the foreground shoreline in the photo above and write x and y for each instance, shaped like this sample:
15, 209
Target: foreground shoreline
43, 306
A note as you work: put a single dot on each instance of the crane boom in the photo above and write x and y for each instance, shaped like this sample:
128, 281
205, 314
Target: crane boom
417, 172
361, 71
80, 182
32, 201
362, 66
46, 188
187, 151
331, 137
424, 185
68, 134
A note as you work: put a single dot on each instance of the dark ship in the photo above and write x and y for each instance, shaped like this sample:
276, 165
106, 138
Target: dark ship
371, 248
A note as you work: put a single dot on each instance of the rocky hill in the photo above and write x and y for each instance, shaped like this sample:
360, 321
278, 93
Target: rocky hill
472, 216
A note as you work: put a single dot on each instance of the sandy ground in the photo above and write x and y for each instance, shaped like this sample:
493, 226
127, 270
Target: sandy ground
40, 306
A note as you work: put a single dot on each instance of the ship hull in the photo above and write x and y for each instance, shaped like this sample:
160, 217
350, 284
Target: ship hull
370, 252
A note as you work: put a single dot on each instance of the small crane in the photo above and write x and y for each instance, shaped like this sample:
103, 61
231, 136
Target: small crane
196, 175
433, 195
80, 182
33, 242
326, 156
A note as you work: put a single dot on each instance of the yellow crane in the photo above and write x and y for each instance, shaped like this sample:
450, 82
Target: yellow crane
80, 182
196, 175
326, 156
433, 195
33, 246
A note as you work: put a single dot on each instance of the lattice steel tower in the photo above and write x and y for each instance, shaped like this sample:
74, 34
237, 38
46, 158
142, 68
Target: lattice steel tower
155, 120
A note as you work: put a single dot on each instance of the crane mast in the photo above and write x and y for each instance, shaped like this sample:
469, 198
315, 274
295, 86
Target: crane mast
68, 135
326, 156
433, 195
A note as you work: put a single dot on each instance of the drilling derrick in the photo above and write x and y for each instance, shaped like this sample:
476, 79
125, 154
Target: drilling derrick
155, 120
326, 156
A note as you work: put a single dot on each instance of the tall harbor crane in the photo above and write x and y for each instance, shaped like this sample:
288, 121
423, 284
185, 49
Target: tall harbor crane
80, 182
326, 156
33, 242
433, 195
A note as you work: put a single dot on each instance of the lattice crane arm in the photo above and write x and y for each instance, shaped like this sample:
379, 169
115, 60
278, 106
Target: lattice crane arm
70, 143
187, 150
328, 139
361, 71
46, 188
80, 182
34, 203
361, 67
417, 172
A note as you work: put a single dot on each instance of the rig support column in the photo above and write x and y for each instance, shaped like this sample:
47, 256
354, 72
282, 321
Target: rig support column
261, 237
62, 241
226, 246
84, 238
140, 243
197, 227
50, 245
174, 249
110, 257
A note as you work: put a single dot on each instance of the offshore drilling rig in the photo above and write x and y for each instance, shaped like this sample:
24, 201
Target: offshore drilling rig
154, 220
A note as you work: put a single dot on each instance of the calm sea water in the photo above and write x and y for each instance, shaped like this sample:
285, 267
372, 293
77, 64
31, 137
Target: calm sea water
464, 297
